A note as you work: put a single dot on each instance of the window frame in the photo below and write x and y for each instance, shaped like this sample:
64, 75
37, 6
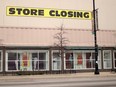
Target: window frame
73, 61
84, 59
28, 51
56, 51
110, 60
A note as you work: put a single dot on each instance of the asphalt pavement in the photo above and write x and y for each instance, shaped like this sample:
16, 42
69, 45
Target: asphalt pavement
104, 79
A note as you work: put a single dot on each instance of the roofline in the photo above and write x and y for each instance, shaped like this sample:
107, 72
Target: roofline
15, 27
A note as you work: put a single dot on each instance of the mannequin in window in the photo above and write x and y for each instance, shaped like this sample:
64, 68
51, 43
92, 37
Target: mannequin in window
35, 63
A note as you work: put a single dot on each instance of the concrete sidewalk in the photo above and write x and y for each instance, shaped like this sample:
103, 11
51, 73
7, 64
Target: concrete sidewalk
50, 76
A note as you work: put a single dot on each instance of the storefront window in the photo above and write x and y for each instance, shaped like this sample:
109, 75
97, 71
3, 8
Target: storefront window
107, 59
69, 60
12, 60
27, 61
42, 61
85, 60
35, 61
79, 61
56, 61
90, 60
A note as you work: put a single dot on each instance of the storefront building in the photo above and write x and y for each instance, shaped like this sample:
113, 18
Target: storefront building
31, 32
23, 51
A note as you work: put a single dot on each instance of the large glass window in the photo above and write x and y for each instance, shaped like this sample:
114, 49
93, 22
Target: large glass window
85, 60
12, 57
90, 60
43, 61
56, 61
39, 61
35, 61
107, 59
79, 60
69, 61
27, 61
19, 61
82, 60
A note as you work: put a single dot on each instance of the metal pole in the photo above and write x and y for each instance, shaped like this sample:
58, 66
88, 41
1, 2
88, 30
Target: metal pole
95, 39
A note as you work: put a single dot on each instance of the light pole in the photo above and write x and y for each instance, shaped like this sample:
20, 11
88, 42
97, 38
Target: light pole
95, 40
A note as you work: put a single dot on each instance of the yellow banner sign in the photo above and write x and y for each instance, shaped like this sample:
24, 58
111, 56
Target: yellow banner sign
48, 12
